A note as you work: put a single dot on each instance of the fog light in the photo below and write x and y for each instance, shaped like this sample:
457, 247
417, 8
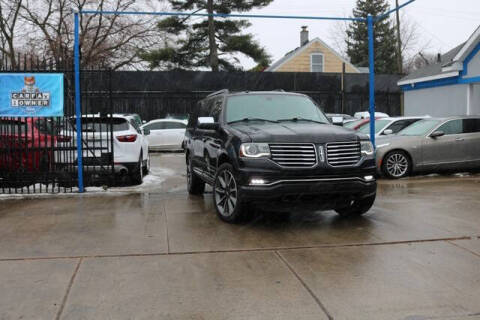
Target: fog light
368, 178
257, 181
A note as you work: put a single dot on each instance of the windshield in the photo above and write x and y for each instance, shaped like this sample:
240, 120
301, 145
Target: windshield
352, 124
272, 107
419, 128
379, 125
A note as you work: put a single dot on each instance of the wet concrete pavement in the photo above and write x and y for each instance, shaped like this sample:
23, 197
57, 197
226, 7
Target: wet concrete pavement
153, 252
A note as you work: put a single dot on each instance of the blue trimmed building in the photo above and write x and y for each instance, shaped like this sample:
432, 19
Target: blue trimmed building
449, 87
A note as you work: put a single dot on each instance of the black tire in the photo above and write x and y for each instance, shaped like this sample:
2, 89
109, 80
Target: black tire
146, 166
137, 173
195, 185
357, 207
396, 164
227, 196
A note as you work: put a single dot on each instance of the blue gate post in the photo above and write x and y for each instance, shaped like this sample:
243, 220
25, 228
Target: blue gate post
78, 107
371, 62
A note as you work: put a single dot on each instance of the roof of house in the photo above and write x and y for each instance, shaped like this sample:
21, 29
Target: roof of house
450, 64
299, 50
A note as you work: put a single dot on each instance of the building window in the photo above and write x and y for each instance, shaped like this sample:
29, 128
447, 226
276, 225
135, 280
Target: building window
316, 62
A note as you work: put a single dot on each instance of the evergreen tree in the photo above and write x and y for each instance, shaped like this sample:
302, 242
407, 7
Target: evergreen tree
211, 42
384, 35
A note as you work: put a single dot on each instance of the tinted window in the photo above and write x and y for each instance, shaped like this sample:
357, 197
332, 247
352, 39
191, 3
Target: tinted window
47, 126
400, 125
419, 128
272, 107
471, 125
452, 127
174, 125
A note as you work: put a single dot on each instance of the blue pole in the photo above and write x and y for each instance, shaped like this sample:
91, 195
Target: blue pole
371, 62
78, 107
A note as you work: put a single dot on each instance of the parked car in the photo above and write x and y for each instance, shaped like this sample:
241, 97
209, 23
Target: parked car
355, 125
130, 146
387, 126
252, 147
431, 145
166, 134
26, 144
366, 114
344, 117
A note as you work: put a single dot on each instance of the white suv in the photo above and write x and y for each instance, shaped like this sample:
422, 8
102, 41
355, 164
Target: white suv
130, 146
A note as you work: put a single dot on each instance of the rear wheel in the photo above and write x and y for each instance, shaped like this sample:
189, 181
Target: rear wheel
146, 166
396, 164
137, 173
356, 207
195, 185
227, 196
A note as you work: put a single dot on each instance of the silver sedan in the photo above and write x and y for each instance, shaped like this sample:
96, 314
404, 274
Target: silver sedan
431, 145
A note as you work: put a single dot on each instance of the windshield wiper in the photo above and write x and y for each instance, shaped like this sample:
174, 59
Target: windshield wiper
301, 119
252, 119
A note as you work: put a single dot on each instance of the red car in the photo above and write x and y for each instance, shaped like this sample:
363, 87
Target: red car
26, 145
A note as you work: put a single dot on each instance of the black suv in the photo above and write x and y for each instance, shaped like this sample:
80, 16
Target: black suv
279, 150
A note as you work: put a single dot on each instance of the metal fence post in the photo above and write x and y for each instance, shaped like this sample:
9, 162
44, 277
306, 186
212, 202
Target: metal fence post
78, 107
371, 60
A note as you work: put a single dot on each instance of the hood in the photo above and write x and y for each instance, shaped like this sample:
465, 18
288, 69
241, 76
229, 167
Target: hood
295, 132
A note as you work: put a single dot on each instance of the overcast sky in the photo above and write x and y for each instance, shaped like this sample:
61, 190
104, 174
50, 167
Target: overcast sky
442, 24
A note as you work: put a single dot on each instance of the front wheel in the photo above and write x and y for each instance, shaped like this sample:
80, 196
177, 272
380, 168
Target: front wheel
227, 196
195, 185
357, 207
396, 164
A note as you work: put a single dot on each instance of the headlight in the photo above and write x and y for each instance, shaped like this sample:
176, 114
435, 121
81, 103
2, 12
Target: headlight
367, 148
254, 150
383, 145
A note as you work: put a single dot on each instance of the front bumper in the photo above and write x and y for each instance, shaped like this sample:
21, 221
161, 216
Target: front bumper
261, 180
354, 187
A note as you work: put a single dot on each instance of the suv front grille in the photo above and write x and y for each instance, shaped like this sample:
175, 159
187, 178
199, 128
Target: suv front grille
343, 153
294, 155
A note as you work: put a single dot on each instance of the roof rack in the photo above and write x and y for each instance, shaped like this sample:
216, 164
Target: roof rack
218, 92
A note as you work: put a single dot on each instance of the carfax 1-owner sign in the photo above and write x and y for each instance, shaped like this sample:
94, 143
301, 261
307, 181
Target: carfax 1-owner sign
31, 95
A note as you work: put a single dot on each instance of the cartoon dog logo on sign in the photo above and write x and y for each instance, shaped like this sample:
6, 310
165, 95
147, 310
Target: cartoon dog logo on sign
30, 85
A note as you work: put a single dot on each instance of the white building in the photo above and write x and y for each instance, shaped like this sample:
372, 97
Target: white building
449, 87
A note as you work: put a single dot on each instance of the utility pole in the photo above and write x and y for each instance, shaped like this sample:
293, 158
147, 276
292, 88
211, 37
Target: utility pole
399, 56
399, 42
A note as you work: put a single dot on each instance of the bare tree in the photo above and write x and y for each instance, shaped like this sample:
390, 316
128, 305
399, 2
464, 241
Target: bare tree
106, 40
412, 40
9, 13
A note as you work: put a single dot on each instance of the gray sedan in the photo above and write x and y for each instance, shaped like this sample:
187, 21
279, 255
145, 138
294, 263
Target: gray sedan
431, 145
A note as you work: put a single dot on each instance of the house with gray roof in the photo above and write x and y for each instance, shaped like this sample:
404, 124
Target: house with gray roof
449, 87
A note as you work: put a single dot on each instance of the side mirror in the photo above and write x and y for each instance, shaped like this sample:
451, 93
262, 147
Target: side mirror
437, 134
338, 121
144, 121
388, 132
207, 123
146, 132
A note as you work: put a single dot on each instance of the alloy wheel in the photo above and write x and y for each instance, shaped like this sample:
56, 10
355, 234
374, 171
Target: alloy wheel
397, 165
226, 193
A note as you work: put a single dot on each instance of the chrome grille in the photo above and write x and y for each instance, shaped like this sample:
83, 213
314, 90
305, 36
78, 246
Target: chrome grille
294, 155
343, 153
